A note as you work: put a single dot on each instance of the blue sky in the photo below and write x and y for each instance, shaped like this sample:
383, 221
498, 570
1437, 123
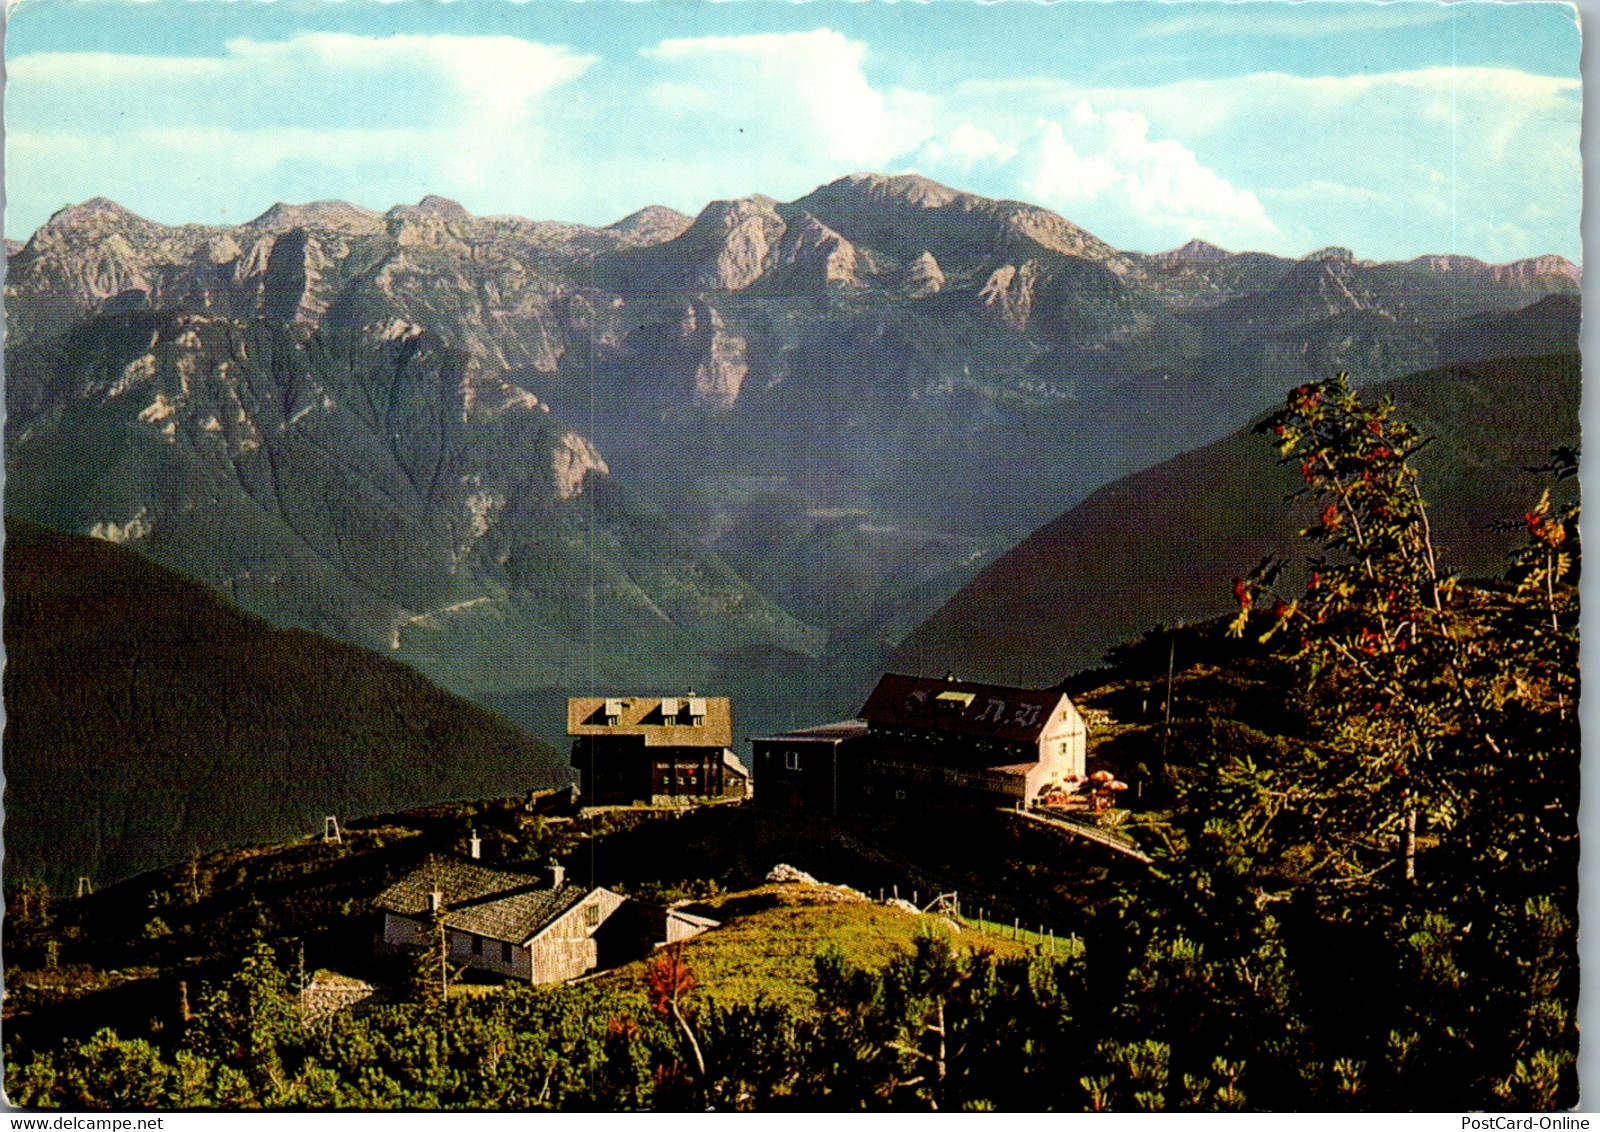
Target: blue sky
1394, 129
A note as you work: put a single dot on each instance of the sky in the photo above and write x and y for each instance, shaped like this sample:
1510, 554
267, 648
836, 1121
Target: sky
1395, 129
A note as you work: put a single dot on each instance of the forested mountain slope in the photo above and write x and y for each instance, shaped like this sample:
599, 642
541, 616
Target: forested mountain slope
147, 718
1164, 546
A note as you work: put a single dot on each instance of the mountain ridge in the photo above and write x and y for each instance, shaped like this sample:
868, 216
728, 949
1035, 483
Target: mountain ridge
527, 454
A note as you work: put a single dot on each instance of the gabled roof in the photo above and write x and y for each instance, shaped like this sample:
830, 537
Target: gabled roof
663, 721
992, 711
496, 905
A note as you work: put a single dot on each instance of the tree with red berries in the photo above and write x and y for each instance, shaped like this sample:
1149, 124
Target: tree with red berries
1406, 668
670, 981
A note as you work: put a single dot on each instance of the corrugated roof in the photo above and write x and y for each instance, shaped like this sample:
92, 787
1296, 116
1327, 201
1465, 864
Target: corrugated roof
995, 711
496, 905
643, 715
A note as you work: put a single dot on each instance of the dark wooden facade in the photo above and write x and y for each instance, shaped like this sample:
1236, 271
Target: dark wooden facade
809, 770
621, 769
651, 750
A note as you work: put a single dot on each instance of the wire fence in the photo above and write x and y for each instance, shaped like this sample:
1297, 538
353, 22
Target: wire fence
989, 921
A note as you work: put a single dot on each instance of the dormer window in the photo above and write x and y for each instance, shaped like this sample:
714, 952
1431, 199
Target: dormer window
613, 712
697, 711
954, 701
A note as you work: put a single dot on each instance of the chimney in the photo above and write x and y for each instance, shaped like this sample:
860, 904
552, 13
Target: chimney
435, 901
557, 874
477, 845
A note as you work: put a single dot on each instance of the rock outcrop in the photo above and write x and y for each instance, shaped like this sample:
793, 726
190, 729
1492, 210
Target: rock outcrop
922, 277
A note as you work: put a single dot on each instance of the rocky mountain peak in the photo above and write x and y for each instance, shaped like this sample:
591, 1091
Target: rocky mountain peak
907, 214
653, 224
1331, 254
335, 214
1548, 265
729, 246
1195, 251
904, 188
1450, 264
431, 207
93, 217
733, 213
815, 254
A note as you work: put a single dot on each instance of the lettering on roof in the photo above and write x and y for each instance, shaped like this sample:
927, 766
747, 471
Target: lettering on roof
990, 711
993, 711
1027, 715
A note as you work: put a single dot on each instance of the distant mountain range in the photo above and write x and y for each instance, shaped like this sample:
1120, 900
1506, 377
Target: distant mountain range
752, 449
148, 719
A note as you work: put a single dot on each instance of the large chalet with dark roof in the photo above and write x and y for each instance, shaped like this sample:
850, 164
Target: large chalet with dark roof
925, 741
654, 750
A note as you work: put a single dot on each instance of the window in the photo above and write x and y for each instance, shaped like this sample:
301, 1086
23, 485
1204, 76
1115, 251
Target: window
955, 701
477, 945
505, 953
791, 760
591, 915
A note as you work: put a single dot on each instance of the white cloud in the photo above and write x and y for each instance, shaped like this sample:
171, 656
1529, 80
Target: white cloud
1435, 153
965, 145
1060, 174
315, 115
803, 95
1105, 172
